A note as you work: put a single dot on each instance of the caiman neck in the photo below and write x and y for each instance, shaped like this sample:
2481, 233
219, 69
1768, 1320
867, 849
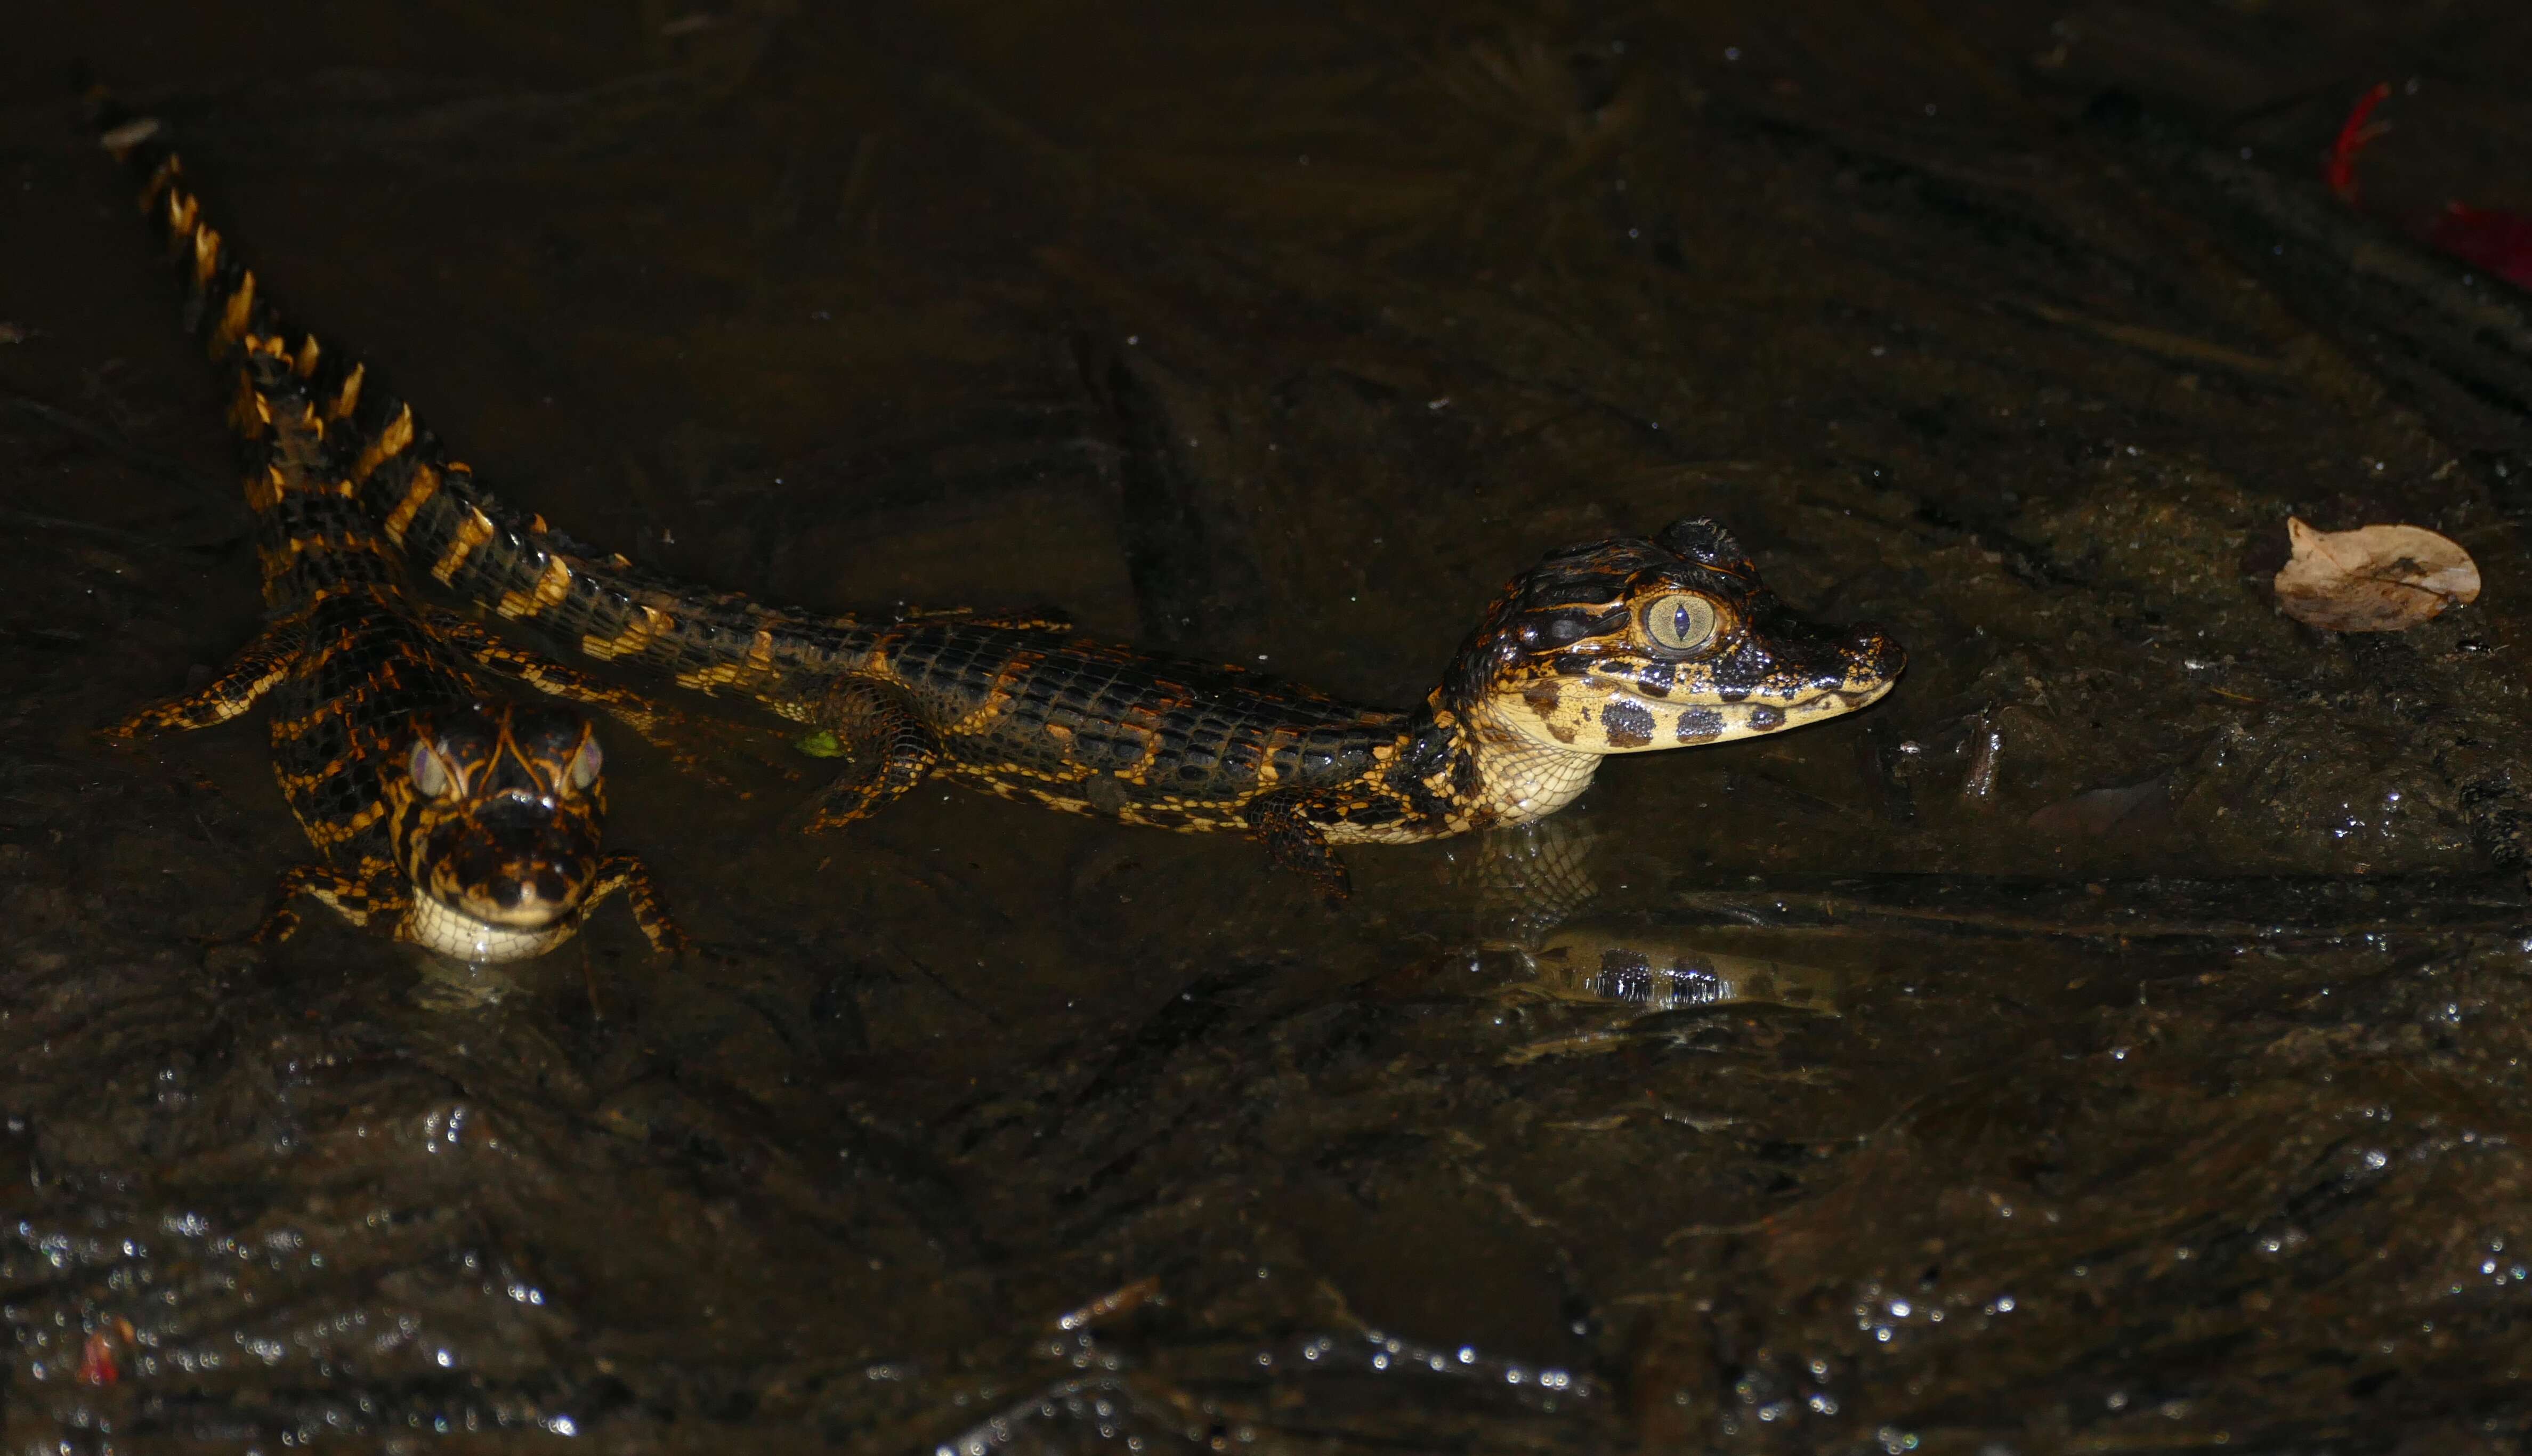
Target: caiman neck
1490, 770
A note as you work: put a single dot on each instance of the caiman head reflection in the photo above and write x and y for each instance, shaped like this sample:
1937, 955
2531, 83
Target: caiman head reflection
499, 828
1634, 645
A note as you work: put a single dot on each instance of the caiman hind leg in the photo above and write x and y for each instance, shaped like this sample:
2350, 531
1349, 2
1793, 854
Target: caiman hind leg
1282, 823
258, 666
894, 748
629, 875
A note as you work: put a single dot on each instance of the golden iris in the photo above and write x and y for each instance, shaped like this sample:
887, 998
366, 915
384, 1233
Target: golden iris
432, 773
586, 763
1681, 621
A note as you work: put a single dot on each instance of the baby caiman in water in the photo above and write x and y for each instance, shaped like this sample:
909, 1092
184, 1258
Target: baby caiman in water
443, 812
1621, 646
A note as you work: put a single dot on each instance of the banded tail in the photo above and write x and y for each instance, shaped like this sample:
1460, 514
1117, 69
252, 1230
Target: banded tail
447, 524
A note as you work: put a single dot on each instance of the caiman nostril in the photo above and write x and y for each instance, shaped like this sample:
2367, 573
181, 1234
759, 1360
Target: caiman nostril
506, 894
549, 886
1878, 653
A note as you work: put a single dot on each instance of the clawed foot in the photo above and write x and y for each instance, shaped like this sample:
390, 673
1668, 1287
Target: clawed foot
1281, 823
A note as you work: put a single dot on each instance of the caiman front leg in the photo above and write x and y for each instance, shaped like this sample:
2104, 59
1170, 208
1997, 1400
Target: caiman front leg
1282, 822
524, 664
258, 666
629, 875
358, 899
688, 741
896, 748
362, 900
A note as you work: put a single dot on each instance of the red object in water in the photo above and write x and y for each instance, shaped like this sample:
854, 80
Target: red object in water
96, 1364
2500, 242
2340, 171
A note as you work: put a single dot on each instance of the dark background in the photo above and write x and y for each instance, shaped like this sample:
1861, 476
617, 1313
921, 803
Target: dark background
2139, 1060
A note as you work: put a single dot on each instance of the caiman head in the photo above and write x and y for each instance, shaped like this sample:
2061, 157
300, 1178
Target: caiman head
498, 826
1634, 645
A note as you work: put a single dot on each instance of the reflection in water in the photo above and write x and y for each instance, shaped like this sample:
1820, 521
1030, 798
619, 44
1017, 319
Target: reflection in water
1660, 969
1550, 899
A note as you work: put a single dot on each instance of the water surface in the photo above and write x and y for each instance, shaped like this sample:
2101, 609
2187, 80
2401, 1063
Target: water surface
2112, 1041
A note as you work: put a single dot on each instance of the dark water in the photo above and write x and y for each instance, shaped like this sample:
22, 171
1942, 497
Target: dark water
2114, 1042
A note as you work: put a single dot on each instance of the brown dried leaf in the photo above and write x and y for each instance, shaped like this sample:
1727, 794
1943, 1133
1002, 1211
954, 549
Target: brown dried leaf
2371, 579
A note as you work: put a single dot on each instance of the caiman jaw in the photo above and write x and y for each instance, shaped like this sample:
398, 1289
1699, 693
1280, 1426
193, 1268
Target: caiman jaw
503, 844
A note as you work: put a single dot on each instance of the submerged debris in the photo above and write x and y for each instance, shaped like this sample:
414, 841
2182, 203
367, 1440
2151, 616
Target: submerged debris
2372, 579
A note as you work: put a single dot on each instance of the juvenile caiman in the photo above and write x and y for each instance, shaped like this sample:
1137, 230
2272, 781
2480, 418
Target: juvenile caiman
442, 812
1619, 646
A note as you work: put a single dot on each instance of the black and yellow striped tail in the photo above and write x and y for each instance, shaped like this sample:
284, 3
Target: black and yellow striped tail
225, 308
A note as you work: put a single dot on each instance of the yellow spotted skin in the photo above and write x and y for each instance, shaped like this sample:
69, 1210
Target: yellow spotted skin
1620, 646
441, 812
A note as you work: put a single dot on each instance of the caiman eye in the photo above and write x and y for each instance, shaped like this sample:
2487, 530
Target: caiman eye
585, 763
430, 774
1681, 621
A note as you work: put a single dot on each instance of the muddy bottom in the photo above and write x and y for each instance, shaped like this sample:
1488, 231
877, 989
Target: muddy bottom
2113, 1040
